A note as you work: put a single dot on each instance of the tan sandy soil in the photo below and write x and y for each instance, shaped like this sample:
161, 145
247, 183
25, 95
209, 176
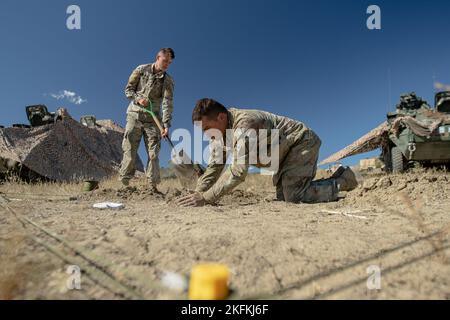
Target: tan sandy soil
273, 249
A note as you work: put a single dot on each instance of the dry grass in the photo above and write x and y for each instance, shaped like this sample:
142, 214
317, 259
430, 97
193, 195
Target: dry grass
13, 275
21, 189
415, 216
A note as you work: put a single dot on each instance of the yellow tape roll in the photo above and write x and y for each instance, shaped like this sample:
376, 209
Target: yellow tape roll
209, 282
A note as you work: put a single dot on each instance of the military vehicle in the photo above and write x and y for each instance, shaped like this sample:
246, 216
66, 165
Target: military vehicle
88, 121
55, 147
414, 133
38, 115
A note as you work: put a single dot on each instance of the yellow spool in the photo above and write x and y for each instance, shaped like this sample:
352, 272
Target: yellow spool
209, 282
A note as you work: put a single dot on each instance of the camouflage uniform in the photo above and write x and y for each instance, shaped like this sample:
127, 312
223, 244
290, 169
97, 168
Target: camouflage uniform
298, 155
158, 88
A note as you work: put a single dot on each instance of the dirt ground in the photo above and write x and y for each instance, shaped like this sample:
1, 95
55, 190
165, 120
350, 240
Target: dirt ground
399, 224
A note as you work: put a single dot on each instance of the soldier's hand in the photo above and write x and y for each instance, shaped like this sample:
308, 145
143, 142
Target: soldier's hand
193, 200
143, 102
165, 133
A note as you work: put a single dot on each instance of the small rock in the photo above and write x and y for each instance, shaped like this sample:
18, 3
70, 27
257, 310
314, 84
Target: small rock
432, 179
384, 182
401, 187
370, 184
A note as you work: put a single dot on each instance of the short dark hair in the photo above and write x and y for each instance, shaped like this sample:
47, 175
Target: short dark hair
209, 108
168, 51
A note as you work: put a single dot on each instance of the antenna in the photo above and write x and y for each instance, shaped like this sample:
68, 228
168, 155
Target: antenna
434, 82
389, 91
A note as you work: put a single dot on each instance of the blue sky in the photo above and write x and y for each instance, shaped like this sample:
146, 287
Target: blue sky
314, 61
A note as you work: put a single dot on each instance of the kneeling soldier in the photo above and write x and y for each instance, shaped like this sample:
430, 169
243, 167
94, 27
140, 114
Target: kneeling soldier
297, 155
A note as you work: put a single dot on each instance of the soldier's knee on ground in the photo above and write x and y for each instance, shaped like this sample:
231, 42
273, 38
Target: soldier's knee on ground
293, 189
279, 193
290, 198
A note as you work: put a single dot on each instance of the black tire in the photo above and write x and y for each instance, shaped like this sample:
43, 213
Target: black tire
397, 160
386, 159
447, 166
20, 125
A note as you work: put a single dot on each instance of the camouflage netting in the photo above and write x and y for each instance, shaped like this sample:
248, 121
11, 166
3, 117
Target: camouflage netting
419, 128
66, 150
366, 143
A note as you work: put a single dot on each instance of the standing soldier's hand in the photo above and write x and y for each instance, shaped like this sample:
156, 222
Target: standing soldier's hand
165, 133
143, 102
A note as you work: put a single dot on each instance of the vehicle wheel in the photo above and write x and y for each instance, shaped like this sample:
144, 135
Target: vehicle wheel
447, 166
397, 160
386, 159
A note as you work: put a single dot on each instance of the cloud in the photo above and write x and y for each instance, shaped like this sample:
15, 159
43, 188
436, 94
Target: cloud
69, 96
441, 86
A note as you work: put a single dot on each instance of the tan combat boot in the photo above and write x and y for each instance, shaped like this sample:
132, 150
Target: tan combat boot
125, 182
345, 178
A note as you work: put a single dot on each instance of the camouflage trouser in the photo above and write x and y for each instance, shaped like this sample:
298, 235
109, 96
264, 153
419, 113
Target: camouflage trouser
135, 129
294, 181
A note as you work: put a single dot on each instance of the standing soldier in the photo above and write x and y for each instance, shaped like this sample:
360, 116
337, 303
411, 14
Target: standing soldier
149, 86
297, 157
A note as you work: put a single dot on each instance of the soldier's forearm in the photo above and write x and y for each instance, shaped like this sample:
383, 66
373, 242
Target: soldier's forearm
167, 108
234, 175
166, 118
167, 103
226, 183
166, 122
205, 183
209, 177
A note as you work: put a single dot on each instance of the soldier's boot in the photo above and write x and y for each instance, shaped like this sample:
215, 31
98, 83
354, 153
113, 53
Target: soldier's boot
321, 191
125, 182
153, 188
125, 185
345, 178
279, 193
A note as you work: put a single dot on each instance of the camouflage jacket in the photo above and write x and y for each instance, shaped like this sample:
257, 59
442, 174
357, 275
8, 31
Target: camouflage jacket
156, 87
216, 181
